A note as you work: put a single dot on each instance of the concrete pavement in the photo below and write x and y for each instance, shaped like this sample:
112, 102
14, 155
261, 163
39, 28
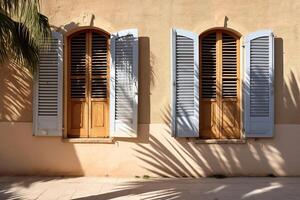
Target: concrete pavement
104, 188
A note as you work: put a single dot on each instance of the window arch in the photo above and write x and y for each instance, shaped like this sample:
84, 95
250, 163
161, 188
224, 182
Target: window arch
219, 84
87, 83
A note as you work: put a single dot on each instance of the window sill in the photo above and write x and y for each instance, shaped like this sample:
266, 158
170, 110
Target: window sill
89, 140
221, 141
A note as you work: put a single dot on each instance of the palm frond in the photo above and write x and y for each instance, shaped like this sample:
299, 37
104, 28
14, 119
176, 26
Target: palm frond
24, 49
23, 31
6, 27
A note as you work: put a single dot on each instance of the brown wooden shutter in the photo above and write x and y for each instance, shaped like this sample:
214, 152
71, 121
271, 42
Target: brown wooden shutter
99, 66
229, 100
88, 104
78, 66
229, 66
208, 87
220, 112
77, 86
208, 70
99, 104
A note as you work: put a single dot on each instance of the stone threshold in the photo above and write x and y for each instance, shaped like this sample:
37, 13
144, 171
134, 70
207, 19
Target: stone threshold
89, 140
220, 141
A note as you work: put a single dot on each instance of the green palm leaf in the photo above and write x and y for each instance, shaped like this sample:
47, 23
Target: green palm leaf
23, 31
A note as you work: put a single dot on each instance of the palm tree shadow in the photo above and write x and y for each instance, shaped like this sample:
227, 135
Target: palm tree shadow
183, 157
194, 189
8, 185
146, 82
286, 91
152, 189
16, 93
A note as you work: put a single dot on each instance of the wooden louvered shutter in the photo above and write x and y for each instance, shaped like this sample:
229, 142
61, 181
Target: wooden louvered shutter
99, 104
229, 66
77, 86
185, 80
124, 84
88, 102
209, 63
258, 84
48, 89
208, 86
230, 84
220, 95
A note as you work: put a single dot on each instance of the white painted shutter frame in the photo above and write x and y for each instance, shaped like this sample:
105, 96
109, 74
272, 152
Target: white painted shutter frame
48, 88
185, 83
259, 84
124, 84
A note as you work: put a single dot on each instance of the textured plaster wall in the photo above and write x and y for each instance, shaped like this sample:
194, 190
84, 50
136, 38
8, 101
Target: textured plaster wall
155, 152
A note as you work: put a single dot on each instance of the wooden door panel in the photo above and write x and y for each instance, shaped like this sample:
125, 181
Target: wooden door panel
77, 108
99, 107
208, 120
77, 120
99, 119
88, 75
230, 128
77, 117
219, 72
208, 87
230, 91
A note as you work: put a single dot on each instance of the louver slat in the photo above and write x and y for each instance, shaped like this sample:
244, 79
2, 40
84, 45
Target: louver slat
78, 66
208, 70
99, 66
99, 55
258, 85
259, 77
124, 79
99, 88
185, 75
48, 89
229, 66
78, 88
48, 80
124, 83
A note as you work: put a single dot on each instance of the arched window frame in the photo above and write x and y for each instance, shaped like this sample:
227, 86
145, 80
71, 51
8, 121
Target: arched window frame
67, 39
219, 31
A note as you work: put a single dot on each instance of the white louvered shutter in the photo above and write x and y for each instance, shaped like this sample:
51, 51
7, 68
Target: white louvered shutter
124, 84
48, 89
259, 84
185, 84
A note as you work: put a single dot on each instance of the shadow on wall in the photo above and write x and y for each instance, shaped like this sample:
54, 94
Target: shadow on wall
180, 157
146, 82
287, 91
146, 79
20, 152
16, 93
16, 90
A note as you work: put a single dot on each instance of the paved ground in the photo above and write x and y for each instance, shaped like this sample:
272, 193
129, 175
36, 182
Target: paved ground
149, 189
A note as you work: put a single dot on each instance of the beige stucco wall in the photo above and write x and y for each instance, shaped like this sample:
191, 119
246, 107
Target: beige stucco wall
155, 152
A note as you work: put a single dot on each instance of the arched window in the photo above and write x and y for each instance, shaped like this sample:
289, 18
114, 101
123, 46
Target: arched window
87, 83
95, 94
219, 84
206, 84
